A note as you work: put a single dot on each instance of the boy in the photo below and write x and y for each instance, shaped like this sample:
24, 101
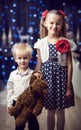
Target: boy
19, 80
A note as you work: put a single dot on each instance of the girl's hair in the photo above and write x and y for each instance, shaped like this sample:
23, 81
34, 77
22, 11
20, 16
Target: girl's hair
43, 29
24, 49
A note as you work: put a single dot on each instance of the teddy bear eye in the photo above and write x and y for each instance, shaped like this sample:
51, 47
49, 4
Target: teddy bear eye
31, 87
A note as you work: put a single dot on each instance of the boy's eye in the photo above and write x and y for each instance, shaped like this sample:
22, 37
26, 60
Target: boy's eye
22, 58
25, 57
19, 57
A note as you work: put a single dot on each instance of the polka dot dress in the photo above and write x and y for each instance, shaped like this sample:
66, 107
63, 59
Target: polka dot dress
56, 77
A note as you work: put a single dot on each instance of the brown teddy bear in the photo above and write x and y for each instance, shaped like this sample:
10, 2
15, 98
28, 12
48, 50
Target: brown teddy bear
31, 100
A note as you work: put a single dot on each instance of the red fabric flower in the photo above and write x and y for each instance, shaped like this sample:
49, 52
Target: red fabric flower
63, 46
44, 14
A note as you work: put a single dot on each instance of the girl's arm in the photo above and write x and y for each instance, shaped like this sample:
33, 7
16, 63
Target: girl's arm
38, 66
70, 72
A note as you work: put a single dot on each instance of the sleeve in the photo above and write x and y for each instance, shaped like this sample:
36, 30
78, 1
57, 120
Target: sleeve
37, 45
73, 46
10, 91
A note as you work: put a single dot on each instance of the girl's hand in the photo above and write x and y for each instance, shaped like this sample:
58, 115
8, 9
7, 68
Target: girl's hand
38, 74
68, 93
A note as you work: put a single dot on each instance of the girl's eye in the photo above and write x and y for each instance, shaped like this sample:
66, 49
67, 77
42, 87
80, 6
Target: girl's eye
57, 23
51, 23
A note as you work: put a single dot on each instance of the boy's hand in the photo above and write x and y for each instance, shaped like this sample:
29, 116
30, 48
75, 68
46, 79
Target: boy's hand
9, 108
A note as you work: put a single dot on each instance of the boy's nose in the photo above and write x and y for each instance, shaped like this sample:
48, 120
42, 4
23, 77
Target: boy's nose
54, 25
22, 59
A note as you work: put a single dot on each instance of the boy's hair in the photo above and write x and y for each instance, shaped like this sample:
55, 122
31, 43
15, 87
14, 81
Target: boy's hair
43, 29
24, 48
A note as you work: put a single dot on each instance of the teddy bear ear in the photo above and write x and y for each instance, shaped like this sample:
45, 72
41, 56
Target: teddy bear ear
33, 77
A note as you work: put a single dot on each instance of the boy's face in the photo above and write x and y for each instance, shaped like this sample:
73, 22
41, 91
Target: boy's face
22, 60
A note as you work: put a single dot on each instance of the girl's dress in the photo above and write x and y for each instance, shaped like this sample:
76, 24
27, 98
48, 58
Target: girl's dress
56, 77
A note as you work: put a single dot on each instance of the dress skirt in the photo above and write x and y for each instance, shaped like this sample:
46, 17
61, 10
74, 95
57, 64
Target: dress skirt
56, 78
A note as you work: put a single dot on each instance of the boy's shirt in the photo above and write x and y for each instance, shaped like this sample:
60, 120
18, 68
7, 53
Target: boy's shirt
16, 84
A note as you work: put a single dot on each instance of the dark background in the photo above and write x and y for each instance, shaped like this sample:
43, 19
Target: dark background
20, 19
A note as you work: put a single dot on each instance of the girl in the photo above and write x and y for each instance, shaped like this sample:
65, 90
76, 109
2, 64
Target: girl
55, 62
19, 80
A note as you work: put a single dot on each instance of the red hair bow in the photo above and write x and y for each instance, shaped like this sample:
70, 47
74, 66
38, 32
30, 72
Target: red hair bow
44, 14
62, 12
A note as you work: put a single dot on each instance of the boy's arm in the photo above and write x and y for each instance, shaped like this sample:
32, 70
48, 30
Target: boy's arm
10, 92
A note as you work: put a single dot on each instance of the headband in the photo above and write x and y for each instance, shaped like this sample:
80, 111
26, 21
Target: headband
44, 14
62, 13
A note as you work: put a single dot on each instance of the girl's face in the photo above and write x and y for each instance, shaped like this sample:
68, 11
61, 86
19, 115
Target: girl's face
54, 24
22, 60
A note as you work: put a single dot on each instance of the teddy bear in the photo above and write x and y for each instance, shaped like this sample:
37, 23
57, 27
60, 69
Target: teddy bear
31, 100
